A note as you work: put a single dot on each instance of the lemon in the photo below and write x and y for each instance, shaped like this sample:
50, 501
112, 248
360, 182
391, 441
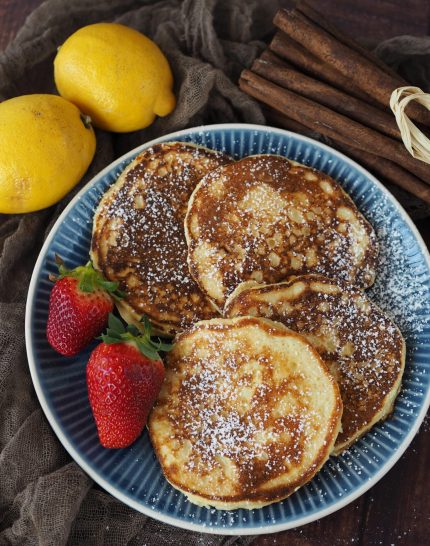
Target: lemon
45, 149
116, 75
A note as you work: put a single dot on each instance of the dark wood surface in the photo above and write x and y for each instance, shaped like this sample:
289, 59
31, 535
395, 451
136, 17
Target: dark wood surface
396, 511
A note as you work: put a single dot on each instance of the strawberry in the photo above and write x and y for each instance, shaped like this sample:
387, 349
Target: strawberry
124, 377
79, 306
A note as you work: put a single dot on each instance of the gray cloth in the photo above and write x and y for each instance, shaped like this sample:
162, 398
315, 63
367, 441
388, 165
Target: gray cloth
45, 498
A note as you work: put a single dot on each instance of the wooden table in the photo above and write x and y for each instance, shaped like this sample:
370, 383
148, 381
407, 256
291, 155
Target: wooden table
396, 511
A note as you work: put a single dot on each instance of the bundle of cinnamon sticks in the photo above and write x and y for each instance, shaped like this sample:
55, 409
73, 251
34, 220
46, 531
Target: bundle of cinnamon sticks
314, 79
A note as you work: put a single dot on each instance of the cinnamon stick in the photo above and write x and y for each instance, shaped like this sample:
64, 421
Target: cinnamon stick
299, 56
388, 170
330, 123
384, 168
364, 74
278, 71
281, 120
318, 18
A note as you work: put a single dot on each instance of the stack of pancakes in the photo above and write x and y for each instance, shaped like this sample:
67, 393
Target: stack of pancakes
258, 267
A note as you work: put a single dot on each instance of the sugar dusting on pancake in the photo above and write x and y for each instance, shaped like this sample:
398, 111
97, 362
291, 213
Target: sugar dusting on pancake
363, 348
138, 235
265, 218
248, 412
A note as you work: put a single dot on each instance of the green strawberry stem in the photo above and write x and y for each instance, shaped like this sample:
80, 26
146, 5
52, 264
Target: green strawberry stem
89, 278
118, 333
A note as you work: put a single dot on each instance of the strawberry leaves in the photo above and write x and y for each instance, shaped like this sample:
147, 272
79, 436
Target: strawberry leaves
117, 332
89, 278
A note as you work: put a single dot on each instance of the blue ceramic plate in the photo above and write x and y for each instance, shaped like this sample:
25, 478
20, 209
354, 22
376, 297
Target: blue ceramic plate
133, 475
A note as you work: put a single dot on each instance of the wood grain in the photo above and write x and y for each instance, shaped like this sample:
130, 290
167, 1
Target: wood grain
396, 510
371, 21
12, 16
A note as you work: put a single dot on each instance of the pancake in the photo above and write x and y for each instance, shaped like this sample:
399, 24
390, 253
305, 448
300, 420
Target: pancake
264, 218
248, 413
363, 349
138, 236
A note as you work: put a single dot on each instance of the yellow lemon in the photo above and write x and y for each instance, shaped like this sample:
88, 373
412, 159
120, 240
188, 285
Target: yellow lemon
45, 146
116, 75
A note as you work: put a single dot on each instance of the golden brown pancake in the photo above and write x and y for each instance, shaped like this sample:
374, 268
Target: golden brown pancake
248, 413
265, 217
363, 348
138, 235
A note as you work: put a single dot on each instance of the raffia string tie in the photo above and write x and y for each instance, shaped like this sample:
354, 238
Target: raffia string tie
415, 141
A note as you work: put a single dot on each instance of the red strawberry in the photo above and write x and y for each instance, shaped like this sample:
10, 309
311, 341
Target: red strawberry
124, 377
79, 306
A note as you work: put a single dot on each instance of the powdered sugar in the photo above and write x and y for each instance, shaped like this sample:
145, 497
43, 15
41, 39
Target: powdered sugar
265, 218
139, 236
229, 406
401, 287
